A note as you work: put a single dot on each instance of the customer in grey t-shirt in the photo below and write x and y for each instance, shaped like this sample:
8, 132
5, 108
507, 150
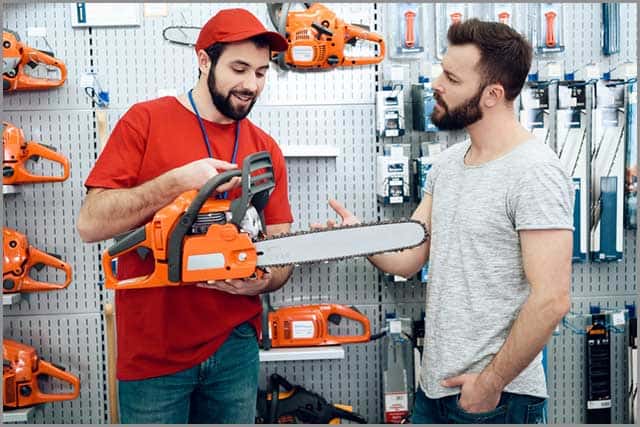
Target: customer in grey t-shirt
499, 210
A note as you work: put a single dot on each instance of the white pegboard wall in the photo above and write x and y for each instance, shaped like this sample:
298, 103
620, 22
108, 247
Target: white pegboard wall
73, 342
46, 212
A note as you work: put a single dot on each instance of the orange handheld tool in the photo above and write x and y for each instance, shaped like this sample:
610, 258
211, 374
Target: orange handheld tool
317, 38
550, 39
409, 36
16, 153
456, 17
19, 258
503, 18
16, 55
196, 238
20, 371
308, 325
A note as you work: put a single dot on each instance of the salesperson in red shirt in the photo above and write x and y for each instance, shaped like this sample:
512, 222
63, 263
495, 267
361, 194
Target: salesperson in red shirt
189, 354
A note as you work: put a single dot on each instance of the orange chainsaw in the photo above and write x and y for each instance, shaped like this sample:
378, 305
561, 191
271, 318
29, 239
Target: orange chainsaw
19, 258
196, 238
317, 38
16, 55
21, 368
308, 325
16, 153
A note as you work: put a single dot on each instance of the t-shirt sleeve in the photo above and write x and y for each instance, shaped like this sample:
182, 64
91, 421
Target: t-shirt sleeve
119, 163
278, 209
543, 199
432, 175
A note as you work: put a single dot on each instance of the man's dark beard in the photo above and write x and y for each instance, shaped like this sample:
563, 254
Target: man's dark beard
223, 103
459, 118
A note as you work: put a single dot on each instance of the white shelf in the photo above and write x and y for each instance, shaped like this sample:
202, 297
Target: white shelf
10, 299
309, 150
302, 353
10, 189
20, 415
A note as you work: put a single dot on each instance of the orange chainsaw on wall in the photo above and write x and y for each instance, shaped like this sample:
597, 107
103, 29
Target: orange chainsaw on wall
317, 38
16, 55
16, 153
19, 258
196, 238
20, 371
308, 325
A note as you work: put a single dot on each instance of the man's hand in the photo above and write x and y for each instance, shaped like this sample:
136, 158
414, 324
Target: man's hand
347, 218
194, 175
476, 395
248, 287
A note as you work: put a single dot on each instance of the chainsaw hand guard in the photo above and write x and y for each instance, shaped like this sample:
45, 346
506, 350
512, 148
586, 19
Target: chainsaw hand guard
21, 369
20, 258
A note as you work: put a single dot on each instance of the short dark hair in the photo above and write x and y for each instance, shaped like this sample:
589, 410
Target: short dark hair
215, 50
505, 55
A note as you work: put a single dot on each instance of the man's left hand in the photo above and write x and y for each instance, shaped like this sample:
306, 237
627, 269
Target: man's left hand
249, 287
476, 395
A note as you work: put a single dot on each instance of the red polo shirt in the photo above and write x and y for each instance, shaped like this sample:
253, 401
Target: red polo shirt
169, 329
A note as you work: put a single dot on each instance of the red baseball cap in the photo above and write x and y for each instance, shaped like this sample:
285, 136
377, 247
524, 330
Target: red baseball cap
233, 25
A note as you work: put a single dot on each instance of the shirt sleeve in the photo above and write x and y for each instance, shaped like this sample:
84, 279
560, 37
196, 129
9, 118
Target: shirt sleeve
119, 163
278, 209
432, 175
543, 199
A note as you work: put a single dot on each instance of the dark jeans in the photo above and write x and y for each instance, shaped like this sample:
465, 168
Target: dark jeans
512, 409
221, 390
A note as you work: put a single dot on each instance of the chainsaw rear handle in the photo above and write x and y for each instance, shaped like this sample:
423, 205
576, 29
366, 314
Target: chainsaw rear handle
22, 175
26, 82
46, 368
36, 256
349, 313
352, 31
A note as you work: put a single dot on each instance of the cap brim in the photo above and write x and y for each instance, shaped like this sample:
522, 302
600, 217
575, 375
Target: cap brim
277, 43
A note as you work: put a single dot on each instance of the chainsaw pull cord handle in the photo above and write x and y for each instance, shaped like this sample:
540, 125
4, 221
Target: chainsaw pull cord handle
353, 314
409, 36
550, 39
35, 257
33, 149
46, 368
352, 31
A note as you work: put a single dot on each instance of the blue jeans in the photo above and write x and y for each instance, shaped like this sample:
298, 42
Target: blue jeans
512, 409
221, 390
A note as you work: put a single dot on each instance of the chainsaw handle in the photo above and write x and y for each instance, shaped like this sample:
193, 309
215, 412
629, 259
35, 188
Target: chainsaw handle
352, 31
22, 174
46, 368
26, 82
352, 314
36, 256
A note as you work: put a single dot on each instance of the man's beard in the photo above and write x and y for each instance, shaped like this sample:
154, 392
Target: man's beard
224, 104
460, 117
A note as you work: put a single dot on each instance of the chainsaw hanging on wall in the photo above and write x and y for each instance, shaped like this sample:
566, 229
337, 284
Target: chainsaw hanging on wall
20, 371
317, 38
196, 238
308, 325
16, 153
19, 257
17, 55
296, 404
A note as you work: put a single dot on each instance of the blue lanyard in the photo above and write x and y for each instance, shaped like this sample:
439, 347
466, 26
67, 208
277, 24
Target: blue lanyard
206, 138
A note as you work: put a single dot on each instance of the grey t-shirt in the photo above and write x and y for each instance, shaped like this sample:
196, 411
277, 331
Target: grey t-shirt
476, 278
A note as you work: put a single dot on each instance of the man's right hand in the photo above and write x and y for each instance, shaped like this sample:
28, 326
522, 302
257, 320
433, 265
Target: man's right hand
194, 175
347, 218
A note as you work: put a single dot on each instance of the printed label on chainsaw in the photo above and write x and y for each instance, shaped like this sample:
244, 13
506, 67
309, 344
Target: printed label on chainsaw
396, 407
302, 53
303, 329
